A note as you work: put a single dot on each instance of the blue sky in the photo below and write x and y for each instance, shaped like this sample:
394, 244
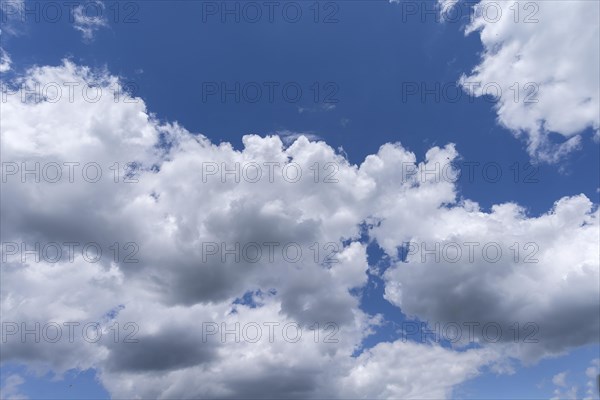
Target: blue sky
358, 57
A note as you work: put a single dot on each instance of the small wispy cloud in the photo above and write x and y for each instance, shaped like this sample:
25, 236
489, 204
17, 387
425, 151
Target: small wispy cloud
321, 107
88, 25
10, 389
5, 61
560, 379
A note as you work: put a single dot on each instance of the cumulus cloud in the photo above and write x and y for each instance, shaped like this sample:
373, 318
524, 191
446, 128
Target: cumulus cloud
163, 194
384, 371
541, 61
516, 270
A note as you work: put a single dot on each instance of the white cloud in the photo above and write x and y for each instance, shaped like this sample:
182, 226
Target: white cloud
565, 394
11, 13
557, 252
172, 210
388, 371
5, 61
289, 137
559, 379
565, 390
593, 383
544, 57
10, 388
88, 22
